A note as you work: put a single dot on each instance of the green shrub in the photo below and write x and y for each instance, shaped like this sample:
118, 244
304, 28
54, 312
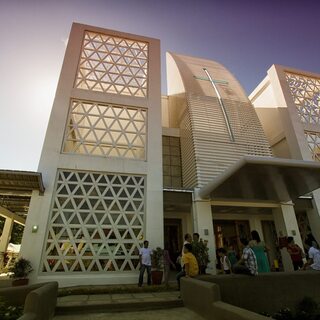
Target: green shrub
157, 258
21, 268
8, 312
307, 309
283, 314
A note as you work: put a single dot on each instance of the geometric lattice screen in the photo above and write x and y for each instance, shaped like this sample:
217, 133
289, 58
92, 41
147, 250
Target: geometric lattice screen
113, 65
313, 139
96, 223
305, 92
106, 130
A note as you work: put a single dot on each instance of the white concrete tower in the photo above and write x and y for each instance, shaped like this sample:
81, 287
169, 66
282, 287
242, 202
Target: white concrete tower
287, 102
103, 180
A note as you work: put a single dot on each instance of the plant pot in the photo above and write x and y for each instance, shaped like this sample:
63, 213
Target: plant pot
20, 282
156, 277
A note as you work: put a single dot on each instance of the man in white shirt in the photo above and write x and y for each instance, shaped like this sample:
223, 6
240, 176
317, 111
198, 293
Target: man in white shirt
314, 257
145, 262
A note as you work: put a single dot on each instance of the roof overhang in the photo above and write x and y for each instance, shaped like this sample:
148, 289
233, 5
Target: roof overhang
264, 179
20, 181
15, 192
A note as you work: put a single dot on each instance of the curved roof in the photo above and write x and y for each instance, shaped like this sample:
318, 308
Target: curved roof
191, 70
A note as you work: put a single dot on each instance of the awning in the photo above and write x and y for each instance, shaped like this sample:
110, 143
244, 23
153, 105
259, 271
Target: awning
20, 181
264, 179
16, 188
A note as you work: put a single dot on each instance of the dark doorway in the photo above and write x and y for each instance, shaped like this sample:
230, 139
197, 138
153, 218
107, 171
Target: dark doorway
173, 237
229, 232
271, 241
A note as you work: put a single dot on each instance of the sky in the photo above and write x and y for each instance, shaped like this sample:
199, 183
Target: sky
246, 36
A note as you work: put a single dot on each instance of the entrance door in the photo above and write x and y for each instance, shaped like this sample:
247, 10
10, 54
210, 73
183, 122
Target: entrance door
173, 237
271, 240
229, 232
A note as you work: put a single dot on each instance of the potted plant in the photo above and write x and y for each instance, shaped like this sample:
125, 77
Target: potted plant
21, 268
157, 266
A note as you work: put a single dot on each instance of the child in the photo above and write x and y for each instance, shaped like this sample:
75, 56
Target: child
225, 262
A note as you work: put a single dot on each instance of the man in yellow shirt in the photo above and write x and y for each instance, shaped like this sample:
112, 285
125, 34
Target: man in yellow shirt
190, 264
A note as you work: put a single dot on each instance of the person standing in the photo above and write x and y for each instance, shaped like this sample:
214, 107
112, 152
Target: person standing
296, 254
259, 248
224, 261
200, 251
248, 262
232, 256
145, 262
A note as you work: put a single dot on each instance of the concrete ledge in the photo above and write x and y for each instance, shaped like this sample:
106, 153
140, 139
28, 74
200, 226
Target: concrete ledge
39, 300
199, 295
267, 292
204, 298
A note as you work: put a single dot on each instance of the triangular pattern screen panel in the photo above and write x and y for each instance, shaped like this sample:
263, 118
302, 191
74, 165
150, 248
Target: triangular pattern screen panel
96, 223
313, 139
106, 130
113, 65
305, 92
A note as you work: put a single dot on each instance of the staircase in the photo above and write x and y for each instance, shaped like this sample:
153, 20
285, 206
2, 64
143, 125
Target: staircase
141, 300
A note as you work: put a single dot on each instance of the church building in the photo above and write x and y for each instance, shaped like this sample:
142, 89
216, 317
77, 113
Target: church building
122, 164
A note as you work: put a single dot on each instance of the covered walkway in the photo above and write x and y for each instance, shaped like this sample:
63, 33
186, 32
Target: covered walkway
16, 188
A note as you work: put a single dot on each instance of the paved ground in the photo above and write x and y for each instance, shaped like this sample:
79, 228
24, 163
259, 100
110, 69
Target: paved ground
164, 314
134, 306
123, 298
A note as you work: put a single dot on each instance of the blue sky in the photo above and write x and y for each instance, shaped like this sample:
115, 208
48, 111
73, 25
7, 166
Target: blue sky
247, 36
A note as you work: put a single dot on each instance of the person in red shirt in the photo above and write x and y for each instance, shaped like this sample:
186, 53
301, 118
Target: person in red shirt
296, 254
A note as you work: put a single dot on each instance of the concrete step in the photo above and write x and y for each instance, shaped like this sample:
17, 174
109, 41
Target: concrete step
94, 303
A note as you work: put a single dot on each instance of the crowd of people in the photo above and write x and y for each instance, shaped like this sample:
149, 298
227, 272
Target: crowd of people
253, 260
192, 260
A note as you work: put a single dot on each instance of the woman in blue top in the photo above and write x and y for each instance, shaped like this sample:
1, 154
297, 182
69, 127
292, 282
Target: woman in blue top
259, 248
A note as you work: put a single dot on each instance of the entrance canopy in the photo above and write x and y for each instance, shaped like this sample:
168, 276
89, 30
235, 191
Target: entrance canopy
15, 192
264, 179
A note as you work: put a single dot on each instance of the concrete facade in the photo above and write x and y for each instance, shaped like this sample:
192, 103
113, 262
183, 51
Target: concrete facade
287, 104
120, 164
109, 84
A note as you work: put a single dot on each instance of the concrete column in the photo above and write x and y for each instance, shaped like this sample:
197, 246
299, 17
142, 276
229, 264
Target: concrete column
32, 242
286, 225
5, 238
314, 215
203, 224
255, 224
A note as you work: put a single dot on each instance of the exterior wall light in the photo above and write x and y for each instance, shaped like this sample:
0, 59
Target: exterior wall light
34, 228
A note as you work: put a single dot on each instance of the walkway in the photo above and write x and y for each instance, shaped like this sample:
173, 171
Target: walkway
137, 306
164, 314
